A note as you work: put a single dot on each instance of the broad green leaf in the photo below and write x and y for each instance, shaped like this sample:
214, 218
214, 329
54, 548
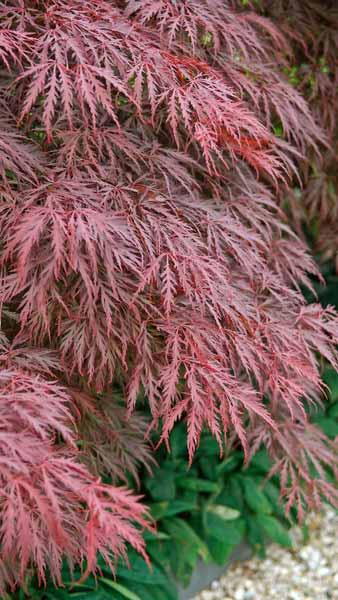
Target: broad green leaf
275, 530
255, 535
272, 492
158, 509
333, 411
196, 484
154, 537
329, 426
97, 594
140, 571
168, 509
261, 461
208, 446
230, 532
207, 468
183, 564
181, 531
220, 550
159, 552
161, 485
89, 583
254, 496
330, 377
229, 464
155, 592
224, 512
189, 495
178, 441
232, 495
120, 588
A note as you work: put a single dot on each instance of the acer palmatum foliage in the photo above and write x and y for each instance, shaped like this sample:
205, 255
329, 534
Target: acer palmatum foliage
142, 243
51, 506
311, 27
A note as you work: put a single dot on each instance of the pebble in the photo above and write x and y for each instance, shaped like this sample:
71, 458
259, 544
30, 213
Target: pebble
294, 595
249, 595
215, 585
305, 572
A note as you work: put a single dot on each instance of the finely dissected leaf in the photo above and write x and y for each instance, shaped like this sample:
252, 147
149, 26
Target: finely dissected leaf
45, 488
316, 67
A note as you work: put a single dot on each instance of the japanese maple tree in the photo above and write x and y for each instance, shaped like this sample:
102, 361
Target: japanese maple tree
143, 246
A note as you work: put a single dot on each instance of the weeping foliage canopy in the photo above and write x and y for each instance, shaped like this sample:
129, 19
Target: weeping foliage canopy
144, 245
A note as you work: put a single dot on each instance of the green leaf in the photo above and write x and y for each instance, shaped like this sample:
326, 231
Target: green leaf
254, 496
188, 495
329, 426
272, 492
275, 530
208, 446
181, 531
229, 464
330, 377
224, 512
178, 441
89, 584
255, 535
155, 592
97, 594
168, 509
232, 494
140, 571
183, 564
120, 588
207, 468
196, 484
230, 532
220, 550
158, 509
149, 536
333, 411
159, 552
261, 461
61, 595
161, 485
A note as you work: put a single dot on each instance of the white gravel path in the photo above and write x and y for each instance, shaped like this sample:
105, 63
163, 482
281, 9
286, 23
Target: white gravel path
305, 572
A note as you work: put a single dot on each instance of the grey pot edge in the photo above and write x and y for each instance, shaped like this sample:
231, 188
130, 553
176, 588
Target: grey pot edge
205, 574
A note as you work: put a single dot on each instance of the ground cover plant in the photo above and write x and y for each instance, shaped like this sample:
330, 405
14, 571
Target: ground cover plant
146, 261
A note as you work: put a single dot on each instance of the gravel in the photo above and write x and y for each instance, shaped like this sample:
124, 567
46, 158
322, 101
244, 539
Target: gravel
307, 571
